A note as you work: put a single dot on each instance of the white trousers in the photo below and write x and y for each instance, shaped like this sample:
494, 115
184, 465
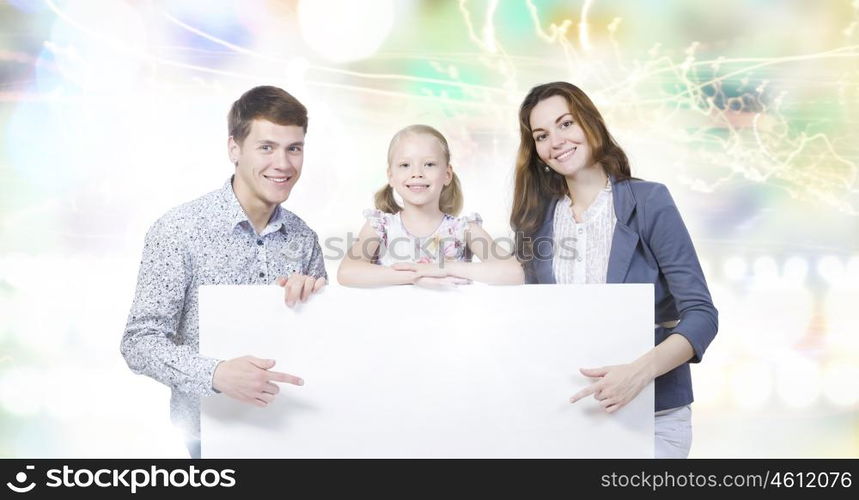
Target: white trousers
673, 432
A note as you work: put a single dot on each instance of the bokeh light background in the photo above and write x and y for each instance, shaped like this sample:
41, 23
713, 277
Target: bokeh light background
114, 111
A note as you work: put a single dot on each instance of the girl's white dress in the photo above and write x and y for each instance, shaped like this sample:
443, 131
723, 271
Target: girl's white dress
397, 244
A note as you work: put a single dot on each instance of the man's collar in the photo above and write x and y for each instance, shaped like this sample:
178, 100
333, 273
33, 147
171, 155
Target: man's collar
234, 214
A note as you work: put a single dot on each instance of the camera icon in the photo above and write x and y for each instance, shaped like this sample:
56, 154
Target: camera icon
20, 478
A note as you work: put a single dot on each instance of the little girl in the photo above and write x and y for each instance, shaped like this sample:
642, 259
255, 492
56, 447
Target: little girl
423, 242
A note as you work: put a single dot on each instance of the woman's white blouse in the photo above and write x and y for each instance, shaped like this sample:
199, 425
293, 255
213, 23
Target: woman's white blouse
582, 249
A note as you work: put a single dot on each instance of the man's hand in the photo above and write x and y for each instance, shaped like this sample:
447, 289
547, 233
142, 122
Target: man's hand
249, 380
299, 287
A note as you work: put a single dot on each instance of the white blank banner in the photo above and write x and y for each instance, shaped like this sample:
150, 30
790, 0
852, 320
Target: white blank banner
477, 371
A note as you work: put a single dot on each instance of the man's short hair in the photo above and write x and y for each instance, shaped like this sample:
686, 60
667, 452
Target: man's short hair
267, 103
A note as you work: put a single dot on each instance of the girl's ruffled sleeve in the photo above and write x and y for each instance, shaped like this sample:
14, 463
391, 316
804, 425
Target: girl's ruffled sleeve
473, 217
377, 221
458, 248
463, 222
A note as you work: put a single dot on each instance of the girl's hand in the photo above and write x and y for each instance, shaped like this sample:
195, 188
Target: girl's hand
445, 282
421, 270
430, 275
617, 385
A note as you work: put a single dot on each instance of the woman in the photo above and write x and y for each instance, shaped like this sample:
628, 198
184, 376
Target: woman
574, 187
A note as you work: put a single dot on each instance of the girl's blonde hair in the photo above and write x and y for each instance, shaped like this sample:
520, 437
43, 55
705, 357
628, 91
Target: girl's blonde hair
450, 201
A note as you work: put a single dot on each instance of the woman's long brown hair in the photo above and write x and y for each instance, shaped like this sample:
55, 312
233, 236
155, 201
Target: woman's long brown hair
535, 188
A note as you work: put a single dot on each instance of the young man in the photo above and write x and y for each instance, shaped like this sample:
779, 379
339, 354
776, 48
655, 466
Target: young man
237, 235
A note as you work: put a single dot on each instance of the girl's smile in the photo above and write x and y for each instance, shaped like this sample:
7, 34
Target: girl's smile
419, 170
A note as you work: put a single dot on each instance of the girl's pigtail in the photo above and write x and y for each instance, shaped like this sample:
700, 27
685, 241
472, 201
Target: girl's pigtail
384, 200
451, 198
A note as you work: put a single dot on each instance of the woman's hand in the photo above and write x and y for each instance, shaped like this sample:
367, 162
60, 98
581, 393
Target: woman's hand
617, 385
